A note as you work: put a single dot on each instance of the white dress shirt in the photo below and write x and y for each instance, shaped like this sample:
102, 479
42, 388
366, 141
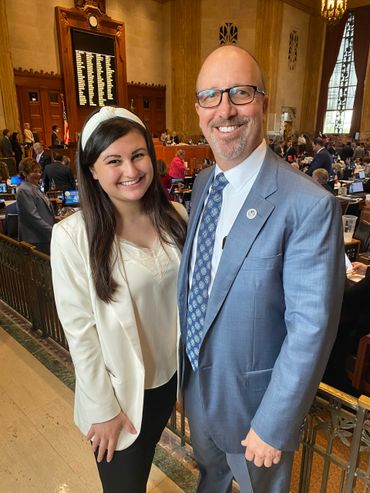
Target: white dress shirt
241, 179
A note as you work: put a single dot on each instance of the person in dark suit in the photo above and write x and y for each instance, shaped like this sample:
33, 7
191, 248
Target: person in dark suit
322, 158
347, 151
35, 212
6, 145
17, 149
55, 142
259, 281
354, 324
60, 174
41, 156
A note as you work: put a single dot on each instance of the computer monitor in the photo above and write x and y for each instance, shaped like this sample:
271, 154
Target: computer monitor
356, 187
3, 187
71, 198
15, 180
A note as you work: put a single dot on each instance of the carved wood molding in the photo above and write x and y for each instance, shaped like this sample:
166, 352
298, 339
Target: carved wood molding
146, 84
20, 72
83, 4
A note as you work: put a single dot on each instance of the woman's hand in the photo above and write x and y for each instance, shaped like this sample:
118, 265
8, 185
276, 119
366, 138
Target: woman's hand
105, 435
359, 268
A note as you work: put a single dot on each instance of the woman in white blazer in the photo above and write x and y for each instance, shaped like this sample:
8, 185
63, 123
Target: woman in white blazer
114, 266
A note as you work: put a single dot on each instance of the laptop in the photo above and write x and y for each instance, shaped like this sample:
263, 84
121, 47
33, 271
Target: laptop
361, 175
356, 189
71, 198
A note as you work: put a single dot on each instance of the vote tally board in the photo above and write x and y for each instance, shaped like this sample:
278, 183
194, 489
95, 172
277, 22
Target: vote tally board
94, 60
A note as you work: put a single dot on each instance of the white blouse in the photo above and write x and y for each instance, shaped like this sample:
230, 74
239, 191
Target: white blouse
151, 274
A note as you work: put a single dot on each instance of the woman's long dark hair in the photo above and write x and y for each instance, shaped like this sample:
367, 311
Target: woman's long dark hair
99, 213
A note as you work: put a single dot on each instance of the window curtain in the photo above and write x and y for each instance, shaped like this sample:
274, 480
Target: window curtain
333, 39
361, 42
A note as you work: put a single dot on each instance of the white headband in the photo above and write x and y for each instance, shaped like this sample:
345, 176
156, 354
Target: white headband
106, 113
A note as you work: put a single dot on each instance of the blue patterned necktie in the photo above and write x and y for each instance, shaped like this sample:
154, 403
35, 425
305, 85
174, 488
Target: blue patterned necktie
198, 297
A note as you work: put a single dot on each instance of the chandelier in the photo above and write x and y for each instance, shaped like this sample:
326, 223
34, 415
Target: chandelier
333, 10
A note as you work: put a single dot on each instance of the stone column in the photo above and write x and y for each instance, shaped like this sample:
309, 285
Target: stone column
268, 34
9, 115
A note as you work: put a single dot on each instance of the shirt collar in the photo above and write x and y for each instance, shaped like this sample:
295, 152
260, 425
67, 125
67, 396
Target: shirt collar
243, 172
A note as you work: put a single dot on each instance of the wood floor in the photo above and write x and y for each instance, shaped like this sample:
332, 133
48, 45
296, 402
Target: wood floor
41, 449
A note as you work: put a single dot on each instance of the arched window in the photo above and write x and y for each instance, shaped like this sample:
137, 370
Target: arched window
342, 86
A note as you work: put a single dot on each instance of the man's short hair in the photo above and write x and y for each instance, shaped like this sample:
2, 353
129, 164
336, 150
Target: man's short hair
321, 175
318, 141
58, 157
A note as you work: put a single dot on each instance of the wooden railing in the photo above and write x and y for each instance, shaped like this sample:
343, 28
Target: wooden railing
25, 285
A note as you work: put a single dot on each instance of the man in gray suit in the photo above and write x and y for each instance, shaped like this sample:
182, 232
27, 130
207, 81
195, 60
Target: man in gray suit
260, 289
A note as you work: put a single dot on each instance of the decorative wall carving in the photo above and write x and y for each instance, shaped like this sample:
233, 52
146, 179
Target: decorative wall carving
293, 50
228, 34
146, 84
35, 73
100, 4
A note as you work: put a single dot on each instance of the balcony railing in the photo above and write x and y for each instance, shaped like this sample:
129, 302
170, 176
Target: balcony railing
335, 451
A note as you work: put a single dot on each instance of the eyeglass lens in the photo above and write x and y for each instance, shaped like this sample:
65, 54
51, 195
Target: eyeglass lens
237, 95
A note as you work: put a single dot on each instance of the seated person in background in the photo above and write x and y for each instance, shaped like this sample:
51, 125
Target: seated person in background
11, 221
321, 176
301, 144
354, 323
163, 174
322, 158
60, 174
366, 163
35, 212
175, 138
41, 156
165, 136
291, 153
280, 149
177, 166
55, 142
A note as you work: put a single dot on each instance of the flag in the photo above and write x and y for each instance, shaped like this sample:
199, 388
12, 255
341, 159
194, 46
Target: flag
66, 138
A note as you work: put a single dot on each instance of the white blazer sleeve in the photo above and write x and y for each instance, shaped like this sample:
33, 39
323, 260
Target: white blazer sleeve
74, 297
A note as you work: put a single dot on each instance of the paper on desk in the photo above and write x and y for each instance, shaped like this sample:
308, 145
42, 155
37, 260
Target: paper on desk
348, 262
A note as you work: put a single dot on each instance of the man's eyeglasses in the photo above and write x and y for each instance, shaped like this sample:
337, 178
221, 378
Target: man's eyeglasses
239, 95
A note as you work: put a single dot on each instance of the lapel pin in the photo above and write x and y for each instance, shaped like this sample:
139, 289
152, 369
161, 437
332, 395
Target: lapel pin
251, 213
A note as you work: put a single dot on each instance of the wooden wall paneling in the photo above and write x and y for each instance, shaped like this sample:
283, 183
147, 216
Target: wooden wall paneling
185, 63
40, 113
149, 103
311, 88
268, 34
68, 19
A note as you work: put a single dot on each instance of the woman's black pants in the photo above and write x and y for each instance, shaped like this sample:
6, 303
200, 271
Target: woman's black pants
129, 469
